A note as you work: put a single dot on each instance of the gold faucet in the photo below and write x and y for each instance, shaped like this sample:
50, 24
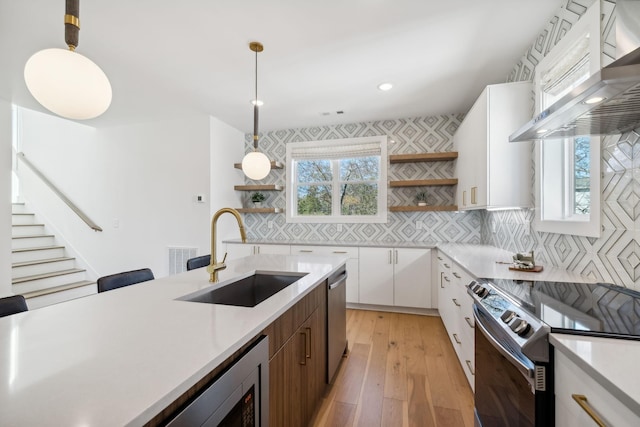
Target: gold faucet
215, 265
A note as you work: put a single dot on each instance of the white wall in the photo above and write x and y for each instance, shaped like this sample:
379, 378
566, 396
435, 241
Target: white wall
137, 182
227, 148
5, 198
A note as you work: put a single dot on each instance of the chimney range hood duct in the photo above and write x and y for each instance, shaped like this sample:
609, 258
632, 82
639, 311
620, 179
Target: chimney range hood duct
618, 84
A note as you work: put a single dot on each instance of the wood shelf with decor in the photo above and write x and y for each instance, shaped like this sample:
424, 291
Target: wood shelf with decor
423, 157
260, 210
258, 187
274, 165
442, 208
424, 183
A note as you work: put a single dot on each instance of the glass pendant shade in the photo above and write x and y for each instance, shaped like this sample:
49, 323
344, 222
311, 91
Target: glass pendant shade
256, 165
68, 84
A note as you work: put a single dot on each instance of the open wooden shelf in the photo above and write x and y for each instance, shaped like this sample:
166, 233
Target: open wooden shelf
274, 165
260, 210
423, 157
424, 182
422, 208
258, 187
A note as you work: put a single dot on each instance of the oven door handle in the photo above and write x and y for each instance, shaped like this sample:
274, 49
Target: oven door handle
524, 369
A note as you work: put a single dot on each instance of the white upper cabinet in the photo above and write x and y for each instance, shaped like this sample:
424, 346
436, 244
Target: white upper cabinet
491, 171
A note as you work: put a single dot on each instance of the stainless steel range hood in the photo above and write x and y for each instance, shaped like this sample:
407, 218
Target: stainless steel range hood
617, 84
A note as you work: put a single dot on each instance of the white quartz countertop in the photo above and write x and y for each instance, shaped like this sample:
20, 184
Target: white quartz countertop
611, 362
120, 357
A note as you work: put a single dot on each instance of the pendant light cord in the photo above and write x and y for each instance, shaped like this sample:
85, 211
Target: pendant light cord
255, 110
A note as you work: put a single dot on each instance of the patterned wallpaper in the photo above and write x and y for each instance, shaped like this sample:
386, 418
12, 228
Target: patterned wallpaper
423, 134
615, 256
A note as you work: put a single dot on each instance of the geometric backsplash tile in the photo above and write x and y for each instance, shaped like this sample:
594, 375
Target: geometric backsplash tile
614, 257
414, 135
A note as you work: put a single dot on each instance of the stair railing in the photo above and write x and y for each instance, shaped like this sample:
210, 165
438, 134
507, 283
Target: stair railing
59, 193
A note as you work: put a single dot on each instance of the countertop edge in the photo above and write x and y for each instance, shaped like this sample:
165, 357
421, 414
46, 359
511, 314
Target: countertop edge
425, 245
556, 340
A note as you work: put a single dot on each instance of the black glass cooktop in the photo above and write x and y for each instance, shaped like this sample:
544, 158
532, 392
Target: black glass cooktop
578, 308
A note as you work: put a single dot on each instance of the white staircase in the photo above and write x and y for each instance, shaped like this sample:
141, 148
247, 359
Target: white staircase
41, 271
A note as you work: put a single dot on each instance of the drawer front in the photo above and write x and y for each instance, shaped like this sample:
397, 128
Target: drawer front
349, 252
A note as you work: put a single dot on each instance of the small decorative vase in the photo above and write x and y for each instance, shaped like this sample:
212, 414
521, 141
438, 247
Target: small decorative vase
257, 204
422, 203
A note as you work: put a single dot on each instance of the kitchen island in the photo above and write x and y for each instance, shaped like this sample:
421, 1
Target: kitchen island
121, 357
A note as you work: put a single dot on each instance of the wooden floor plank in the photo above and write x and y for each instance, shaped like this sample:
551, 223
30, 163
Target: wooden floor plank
373, 391
394, 413
437, 391
351, 382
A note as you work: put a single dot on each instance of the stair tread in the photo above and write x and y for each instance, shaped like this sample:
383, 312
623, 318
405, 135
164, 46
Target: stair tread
34, 236
47, 275
22, 213
27, 225
37, 248
55, 289
41, 261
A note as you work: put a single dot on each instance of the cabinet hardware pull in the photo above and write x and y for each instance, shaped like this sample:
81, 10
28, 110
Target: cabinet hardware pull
456, 275
455, 301
304, 348
474, 200
446, 265
464, 198
582, 401
455, 337
439, 258
390, 259
469, 322
470, 367
306, 250
446, 278
339, 252
308, 342
395, 251
442, 280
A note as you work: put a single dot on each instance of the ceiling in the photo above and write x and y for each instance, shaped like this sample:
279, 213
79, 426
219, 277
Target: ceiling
170, 59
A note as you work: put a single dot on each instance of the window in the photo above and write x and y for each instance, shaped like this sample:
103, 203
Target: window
341, 181
568, 169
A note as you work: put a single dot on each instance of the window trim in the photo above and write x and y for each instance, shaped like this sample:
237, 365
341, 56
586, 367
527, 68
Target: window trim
291, 181
589, 23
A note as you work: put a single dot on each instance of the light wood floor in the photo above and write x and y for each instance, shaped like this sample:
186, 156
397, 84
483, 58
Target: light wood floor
401, 371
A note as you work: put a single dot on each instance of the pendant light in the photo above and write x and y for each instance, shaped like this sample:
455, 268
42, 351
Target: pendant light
256, 165
66, 82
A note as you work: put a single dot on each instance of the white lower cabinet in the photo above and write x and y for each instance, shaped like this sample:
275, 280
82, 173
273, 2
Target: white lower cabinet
240, 250
571, 380
351, 253
395, 276
456, 310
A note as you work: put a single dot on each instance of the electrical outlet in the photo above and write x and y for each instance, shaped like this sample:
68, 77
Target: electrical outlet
419, 225
116, 223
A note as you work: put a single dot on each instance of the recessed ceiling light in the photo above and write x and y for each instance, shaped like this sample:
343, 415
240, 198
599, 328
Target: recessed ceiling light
594, 100
385, 86
541, 131
258, 102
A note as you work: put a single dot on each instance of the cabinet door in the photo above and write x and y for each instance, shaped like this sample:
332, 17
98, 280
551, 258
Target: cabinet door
314, 374
272, 249
376, 276
238, 250
412, 277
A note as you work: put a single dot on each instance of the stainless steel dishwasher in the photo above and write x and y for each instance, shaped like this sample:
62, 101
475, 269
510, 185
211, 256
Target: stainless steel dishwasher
336, 321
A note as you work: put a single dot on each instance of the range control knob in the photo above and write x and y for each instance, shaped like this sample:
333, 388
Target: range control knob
482, 291
520, 326
508, 316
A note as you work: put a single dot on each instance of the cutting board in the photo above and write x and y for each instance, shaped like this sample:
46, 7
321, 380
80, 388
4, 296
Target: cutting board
536, 269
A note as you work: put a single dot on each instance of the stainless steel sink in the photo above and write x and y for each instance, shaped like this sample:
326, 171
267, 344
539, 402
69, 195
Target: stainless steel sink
247, 292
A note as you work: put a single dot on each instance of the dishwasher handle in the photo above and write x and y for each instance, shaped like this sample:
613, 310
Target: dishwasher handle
337, 283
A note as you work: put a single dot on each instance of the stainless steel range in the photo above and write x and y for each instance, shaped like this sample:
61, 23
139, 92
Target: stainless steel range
514, 362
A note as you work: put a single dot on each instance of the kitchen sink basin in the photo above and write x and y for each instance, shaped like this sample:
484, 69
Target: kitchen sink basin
249, 291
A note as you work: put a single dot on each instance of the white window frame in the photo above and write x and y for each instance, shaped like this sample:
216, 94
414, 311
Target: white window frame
575, 224
291, 189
